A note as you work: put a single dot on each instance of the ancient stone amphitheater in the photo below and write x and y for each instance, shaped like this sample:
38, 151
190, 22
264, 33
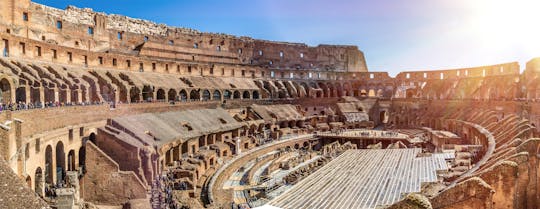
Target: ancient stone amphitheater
107, 111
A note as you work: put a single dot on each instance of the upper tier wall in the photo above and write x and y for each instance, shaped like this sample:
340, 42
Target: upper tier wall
98, 32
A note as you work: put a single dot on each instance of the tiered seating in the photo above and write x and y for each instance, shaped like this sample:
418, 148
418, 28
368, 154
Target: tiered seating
362, 179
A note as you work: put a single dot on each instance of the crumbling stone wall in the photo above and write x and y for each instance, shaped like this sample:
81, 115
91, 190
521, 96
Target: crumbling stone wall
105, 183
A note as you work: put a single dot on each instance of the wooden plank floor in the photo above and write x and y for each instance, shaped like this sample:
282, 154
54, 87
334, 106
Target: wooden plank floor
363, 179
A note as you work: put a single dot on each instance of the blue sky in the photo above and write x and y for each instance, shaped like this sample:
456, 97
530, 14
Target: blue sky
395, 35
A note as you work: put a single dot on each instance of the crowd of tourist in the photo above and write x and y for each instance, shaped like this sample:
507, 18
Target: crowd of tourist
38, 105
364, 133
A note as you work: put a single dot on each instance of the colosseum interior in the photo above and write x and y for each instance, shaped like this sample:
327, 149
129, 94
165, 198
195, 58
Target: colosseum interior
107, 111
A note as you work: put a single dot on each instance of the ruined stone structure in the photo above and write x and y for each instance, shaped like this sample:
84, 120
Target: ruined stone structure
105, 110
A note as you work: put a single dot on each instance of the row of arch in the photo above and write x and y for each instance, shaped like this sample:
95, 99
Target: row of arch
57, 163
295, 89
147, 94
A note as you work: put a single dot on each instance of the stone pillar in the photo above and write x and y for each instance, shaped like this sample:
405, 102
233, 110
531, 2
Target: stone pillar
79, 96
116, 96
179, 148
42, 96
56, 94
28, 93
238, 141
68, 95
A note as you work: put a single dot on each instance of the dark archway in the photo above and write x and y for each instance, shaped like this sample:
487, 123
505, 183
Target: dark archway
227, 94
256, 95
5, 91
160, 95
71, 161
246, 95
20, 93
60, 162
236, 95
217, 95
172, 95
134, 94
48, 165
183, 95
194, 95
206, 95
147, 93
82, 157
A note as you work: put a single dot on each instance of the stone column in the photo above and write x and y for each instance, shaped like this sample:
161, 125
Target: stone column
42, 96
68, 95
238, 141
56, 94
28, 93
79, 96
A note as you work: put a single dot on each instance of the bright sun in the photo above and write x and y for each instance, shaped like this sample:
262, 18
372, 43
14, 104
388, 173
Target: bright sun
513, 23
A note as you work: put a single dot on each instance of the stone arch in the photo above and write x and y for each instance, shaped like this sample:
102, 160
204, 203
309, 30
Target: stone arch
5, 90
227, 94
71, 160
172, 95
160, 95
237, 95
194, 95
92, 138
216, 95
183, 95
60, 162
49, 165
134, 94
325, 89
147, 93
246, 95
206, 95
82, 157
20, 92
256, 95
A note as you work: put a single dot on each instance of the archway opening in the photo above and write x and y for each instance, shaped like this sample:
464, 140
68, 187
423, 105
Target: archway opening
236, 95
71, 160
246, 95
194, 95
147, 93
60, 162
48, 165
160, 95
183, 95
216, 95
5, 91
134, 93
227, 94
172, 95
